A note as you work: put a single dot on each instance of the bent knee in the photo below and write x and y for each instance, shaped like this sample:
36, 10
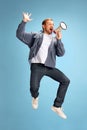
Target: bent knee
66, 81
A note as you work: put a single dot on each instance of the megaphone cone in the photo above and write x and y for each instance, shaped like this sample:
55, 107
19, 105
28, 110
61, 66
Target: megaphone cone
62, 26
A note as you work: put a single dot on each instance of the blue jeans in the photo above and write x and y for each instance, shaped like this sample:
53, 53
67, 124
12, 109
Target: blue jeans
38, 71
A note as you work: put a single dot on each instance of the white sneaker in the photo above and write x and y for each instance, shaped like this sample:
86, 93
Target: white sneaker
35, 103
59, 111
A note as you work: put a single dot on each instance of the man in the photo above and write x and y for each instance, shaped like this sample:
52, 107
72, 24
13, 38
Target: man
42, 57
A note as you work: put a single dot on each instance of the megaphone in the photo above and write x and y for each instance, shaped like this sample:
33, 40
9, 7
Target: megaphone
62, 26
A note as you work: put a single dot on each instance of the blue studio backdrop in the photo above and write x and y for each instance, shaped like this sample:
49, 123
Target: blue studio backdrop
16, 112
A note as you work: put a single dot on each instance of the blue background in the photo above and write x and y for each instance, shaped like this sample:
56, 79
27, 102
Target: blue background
16, 112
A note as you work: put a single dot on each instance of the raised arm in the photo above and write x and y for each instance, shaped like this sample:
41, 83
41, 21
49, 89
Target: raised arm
27, 38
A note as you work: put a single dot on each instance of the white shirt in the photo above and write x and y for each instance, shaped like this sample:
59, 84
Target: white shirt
43, 51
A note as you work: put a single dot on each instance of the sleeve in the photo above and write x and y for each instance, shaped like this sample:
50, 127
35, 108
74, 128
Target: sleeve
27, 38
60, 51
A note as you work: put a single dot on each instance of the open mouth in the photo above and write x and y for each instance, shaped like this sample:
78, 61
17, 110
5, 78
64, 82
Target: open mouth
51, 29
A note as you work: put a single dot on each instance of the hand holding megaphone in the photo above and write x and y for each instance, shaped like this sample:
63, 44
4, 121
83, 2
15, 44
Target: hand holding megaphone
57, 31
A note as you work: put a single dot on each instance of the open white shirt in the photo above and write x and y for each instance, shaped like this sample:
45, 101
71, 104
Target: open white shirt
43, 50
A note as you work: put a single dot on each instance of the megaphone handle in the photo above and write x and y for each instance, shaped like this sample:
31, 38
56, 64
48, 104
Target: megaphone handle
59, 29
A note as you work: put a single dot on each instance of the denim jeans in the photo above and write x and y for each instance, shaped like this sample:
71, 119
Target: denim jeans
38, 71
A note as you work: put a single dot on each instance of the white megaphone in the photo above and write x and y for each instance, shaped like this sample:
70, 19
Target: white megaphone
62, 26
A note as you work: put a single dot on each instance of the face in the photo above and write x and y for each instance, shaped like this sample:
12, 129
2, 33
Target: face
48, 27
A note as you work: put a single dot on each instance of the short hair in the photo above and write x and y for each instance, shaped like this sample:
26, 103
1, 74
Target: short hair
45, 20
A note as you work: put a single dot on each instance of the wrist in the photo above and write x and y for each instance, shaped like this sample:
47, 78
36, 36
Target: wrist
58, 38
24, 20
